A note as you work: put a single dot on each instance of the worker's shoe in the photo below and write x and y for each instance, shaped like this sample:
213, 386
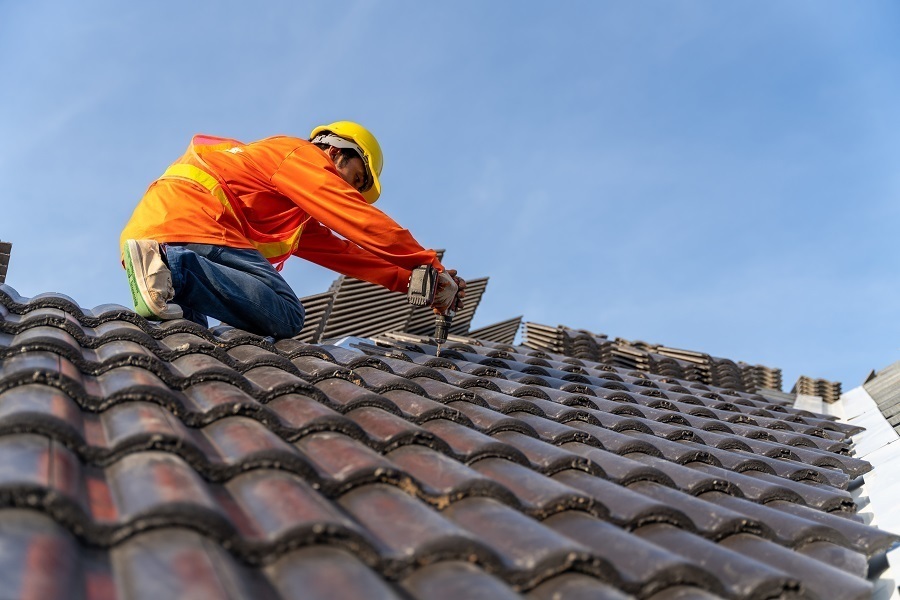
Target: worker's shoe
150, 280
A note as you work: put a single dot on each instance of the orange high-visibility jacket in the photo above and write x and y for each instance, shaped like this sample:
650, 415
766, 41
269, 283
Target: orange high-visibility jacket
264, 195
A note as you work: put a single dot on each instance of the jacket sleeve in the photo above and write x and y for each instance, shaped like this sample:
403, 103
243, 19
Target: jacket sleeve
310, 180
319, 245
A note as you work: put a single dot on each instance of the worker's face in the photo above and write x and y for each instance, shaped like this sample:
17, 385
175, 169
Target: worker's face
351, 170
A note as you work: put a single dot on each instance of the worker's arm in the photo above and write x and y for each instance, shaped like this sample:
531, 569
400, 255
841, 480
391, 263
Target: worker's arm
308, 177
319, 245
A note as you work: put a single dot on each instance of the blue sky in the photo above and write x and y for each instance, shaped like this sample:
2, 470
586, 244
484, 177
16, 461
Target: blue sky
717, 176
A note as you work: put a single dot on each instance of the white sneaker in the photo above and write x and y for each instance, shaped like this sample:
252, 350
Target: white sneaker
150, 280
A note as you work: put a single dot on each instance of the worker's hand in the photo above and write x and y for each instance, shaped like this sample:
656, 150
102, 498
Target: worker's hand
462, 289
450, 290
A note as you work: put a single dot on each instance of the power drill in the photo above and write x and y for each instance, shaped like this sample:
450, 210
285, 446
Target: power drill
422, 287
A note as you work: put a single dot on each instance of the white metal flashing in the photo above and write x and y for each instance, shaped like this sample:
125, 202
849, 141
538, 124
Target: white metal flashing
879, 496
810, 403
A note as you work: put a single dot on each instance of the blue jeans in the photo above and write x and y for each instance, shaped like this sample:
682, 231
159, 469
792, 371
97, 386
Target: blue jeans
236, 286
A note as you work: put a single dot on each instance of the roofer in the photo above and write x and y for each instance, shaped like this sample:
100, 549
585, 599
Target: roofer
209, 237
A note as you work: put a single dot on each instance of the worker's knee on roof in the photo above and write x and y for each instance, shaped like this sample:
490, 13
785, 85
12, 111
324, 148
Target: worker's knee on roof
291, 324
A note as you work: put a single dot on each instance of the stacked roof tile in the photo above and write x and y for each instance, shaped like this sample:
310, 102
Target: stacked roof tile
148, 461
503, 332
829, 391
5, 251
756, 377
352, 307
574, 343
651, 358
884, 388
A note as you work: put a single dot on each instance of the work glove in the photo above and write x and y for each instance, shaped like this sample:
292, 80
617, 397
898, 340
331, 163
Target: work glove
449, 293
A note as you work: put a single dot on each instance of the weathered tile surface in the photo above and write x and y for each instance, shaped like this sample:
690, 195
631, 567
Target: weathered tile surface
148, 461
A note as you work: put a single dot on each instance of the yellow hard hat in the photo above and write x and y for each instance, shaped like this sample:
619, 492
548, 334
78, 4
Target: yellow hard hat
364, 141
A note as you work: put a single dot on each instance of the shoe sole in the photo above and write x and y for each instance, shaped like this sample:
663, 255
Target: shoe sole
138, 288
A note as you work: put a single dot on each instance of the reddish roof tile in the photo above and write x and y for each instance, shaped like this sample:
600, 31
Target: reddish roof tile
171, 460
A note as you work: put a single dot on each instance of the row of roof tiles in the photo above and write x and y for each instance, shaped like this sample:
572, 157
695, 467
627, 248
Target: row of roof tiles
143, 460
672, 362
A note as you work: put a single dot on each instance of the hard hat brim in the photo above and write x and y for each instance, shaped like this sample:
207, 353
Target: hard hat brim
372, 194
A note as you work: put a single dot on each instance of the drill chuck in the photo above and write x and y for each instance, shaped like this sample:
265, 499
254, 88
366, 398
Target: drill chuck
442, 326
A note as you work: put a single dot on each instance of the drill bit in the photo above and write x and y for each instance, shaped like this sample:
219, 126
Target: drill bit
441, 328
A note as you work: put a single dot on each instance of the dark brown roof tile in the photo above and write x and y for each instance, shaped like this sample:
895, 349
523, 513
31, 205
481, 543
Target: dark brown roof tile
343, 462
343, 396
518, 389
445, 480
462, 379
454, 580
615, 422
819, 579
147, 484
823, 497
679, 452
619, 469
177, 562
741, 576
444, 392
863, 538
638, 567
544, 457
314, 369
211, 399
301, 415
411, 370
132, 423
839, 557
711, 520
624, 506
409, 530
490, 421
272, 381
278, 510
236, 441
539, 496
553, 432
418, 408
324, 573
683, 593
380, 381
692, 480
529, 552
574, 586
387, 431
469, 445
685, 419
41, 559
35, 408
504, 403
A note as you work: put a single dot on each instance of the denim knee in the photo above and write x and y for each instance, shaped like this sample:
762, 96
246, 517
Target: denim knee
291, 324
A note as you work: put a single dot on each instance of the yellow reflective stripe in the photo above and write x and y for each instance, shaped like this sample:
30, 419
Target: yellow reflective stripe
273, 249
198, 175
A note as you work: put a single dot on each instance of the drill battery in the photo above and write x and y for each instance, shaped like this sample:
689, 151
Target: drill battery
422, 286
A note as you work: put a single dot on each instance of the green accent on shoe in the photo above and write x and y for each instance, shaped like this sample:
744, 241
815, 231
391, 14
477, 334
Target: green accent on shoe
140, 306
